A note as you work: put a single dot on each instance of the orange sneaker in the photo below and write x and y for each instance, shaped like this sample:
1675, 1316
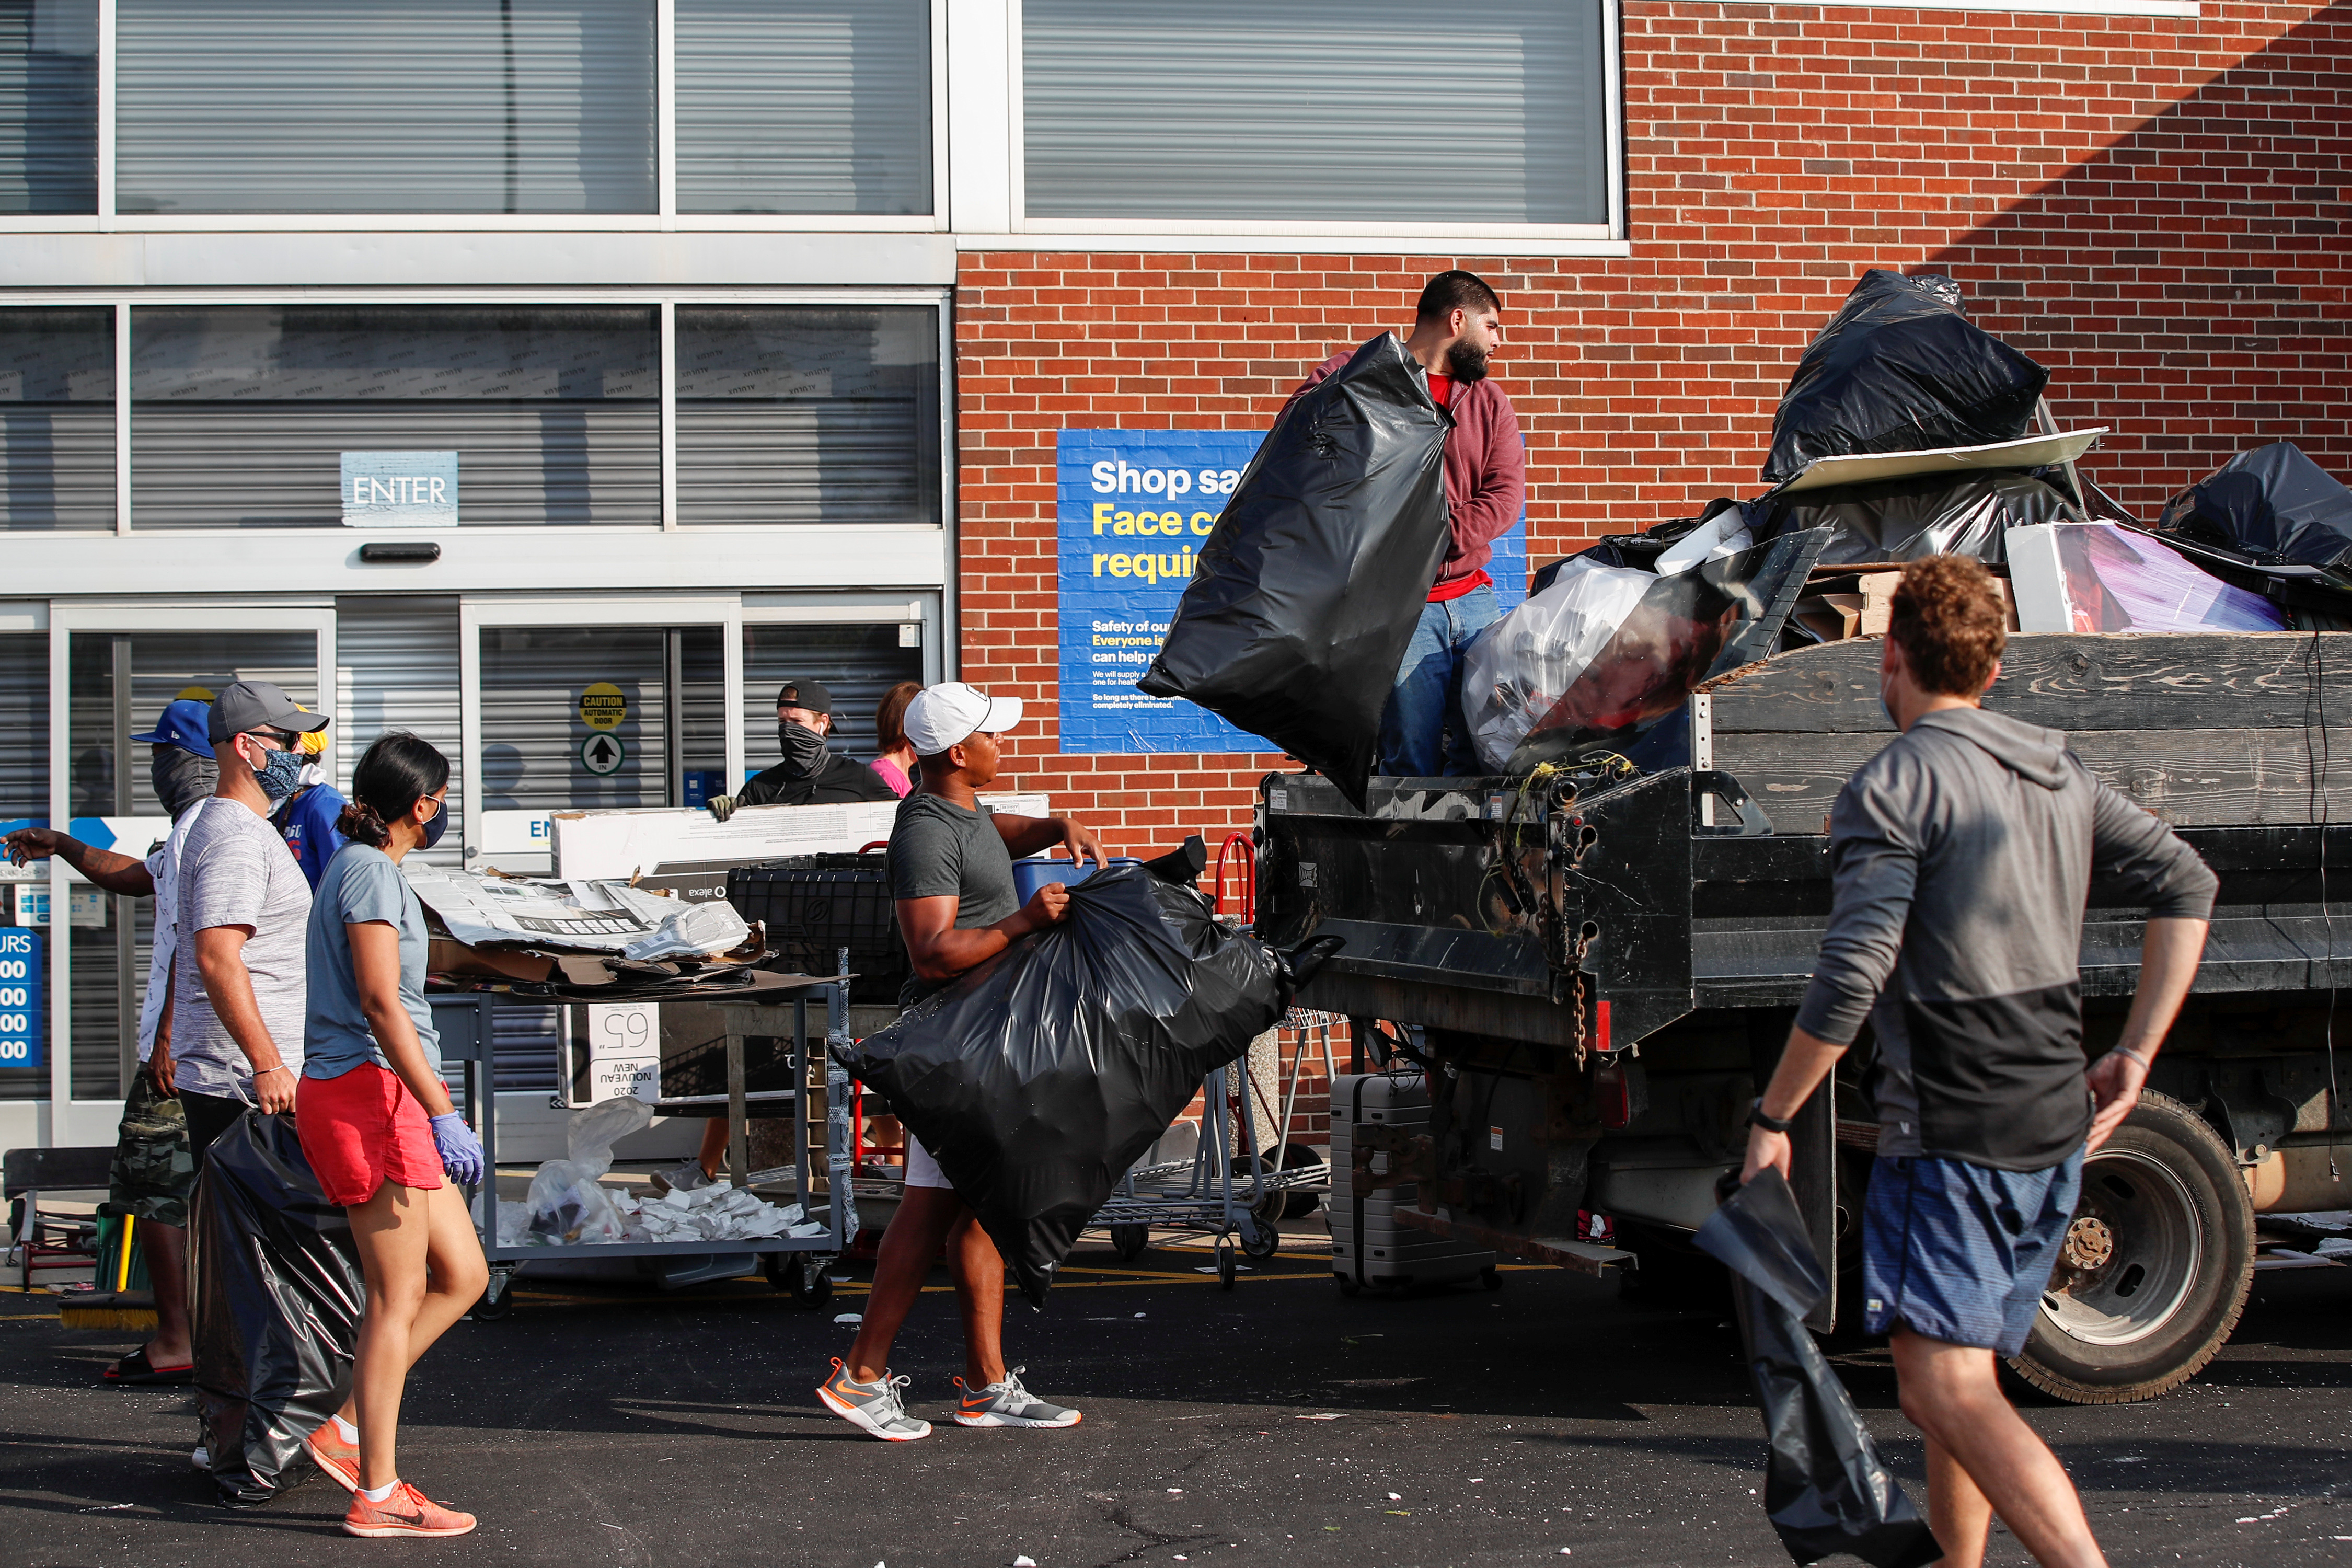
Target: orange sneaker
339, 1460
406, 1511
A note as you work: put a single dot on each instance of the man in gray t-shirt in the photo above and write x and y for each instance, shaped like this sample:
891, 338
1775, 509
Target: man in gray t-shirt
245, 911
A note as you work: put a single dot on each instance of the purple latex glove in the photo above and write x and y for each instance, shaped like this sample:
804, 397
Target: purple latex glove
461, 1152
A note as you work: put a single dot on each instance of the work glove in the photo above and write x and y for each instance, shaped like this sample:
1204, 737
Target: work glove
723, 807
461, 1152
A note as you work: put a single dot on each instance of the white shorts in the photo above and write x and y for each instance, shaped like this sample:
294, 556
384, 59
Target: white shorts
922, 1171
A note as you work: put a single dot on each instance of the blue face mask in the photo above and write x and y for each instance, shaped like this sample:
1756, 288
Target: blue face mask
281, 776
432, 829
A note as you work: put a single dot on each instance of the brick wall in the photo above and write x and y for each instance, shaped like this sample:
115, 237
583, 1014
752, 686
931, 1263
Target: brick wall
2151, 208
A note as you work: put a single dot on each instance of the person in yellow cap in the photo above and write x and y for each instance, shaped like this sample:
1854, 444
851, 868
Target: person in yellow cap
306, 819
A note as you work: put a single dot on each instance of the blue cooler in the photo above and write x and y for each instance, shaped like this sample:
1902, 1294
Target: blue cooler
1028, 876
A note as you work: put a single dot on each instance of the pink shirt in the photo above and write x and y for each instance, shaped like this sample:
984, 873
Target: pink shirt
894, 776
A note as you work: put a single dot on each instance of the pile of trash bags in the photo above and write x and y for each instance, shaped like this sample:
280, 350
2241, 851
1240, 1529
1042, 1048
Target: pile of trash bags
275, 1294
1309, 586
1039, 1078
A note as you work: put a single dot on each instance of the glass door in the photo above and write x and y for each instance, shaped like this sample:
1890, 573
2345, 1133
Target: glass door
118, 666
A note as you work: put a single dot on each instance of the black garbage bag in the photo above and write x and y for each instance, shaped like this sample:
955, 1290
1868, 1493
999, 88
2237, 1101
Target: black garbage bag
1825, 1488
1912, 519
1900, 369
1309, 587
1039, 1078
2273, 506
275, 1294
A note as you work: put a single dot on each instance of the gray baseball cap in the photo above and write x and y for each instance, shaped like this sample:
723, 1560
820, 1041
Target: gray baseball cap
258, 704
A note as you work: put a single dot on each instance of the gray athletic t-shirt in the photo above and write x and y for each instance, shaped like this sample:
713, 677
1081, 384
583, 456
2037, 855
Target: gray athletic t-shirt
236, 871
361, 886
939, 850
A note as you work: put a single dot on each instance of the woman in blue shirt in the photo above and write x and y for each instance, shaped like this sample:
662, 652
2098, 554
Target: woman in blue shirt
377, 1125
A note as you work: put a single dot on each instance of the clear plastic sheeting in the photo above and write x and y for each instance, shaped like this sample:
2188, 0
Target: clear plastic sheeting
2273, 506
1900, 369
698, 931
1912, 519
569, 1202
1603, 650
2098, 577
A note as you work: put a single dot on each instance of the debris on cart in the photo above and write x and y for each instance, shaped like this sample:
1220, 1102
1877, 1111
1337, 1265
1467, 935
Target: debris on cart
1311, 584
610, 916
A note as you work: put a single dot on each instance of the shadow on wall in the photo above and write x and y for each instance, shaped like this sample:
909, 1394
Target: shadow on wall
2191, 286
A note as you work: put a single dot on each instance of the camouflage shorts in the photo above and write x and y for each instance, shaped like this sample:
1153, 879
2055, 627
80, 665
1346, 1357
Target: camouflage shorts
154, 1167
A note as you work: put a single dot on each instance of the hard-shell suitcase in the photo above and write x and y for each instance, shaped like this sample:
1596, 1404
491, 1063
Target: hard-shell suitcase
1369, 1248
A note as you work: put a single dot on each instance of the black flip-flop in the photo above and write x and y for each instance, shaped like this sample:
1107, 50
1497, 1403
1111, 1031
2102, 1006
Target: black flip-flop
135, 1368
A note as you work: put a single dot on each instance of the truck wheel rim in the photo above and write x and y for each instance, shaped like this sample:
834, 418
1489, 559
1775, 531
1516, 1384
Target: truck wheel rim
2130, 1257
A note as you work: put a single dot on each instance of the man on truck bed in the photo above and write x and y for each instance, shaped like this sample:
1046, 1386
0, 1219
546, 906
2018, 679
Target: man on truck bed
1457, 325
951, 877
1962, 857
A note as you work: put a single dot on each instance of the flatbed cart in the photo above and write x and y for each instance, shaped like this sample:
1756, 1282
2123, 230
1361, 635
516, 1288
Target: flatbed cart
795, 1264
1199, 1194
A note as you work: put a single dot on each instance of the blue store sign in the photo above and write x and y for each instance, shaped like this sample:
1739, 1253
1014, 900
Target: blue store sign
23, 1027
1133, 508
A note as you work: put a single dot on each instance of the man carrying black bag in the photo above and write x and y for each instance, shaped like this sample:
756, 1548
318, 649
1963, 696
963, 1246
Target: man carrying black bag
1962, 858
951, 876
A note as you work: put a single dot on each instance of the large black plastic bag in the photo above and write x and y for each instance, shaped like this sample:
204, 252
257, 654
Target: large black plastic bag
1912, 519
1825, 1488
1900, 369
1038, 1078
1311, 584
276, 1292
2271, 505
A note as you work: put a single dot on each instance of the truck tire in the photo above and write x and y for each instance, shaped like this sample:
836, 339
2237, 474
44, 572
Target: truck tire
2155, 1266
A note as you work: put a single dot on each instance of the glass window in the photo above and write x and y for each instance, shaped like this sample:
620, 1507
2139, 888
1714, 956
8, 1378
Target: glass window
804, 106
384, 106
857, 663
49, 106
1380, 111
57, 419
241, 412
792, 413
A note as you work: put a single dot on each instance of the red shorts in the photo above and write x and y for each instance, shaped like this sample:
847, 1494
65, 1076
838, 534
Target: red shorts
362, 1129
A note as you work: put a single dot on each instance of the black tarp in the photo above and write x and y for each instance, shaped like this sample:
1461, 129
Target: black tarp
2271, 505
276, 1295
1900, 369
1309, 586
1910, 519
1826, 1490
1040, 1077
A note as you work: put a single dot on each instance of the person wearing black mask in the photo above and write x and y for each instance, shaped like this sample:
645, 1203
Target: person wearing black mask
813, 773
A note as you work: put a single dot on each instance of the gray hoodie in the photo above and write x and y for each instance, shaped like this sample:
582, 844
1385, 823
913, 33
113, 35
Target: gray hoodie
1962, 857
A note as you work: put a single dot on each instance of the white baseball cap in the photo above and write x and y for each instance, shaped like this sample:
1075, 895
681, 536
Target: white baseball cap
942, 715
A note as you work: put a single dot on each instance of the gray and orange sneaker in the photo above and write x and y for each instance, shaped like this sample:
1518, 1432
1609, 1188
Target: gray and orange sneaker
1007, 1404
339, 1460
878, 1408
406, 1511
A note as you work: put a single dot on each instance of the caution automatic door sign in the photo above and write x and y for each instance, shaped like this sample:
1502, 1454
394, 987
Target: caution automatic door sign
603, 706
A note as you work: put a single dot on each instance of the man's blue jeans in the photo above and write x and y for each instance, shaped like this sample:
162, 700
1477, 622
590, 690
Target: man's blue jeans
1423, 734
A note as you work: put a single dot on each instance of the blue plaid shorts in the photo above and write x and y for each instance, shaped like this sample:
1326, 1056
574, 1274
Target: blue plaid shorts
1962, 1253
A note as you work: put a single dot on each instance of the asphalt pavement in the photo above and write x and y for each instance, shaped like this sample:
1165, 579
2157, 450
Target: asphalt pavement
1552, 1421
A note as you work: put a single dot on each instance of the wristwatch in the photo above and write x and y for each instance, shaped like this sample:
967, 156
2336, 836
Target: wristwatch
1757, 1118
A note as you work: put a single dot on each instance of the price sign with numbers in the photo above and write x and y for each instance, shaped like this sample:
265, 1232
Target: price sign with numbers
624, 1050
24, 1028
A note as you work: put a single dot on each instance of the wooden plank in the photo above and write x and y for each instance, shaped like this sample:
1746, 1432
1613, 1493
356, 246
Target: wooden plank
2190, 777
2248, 680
